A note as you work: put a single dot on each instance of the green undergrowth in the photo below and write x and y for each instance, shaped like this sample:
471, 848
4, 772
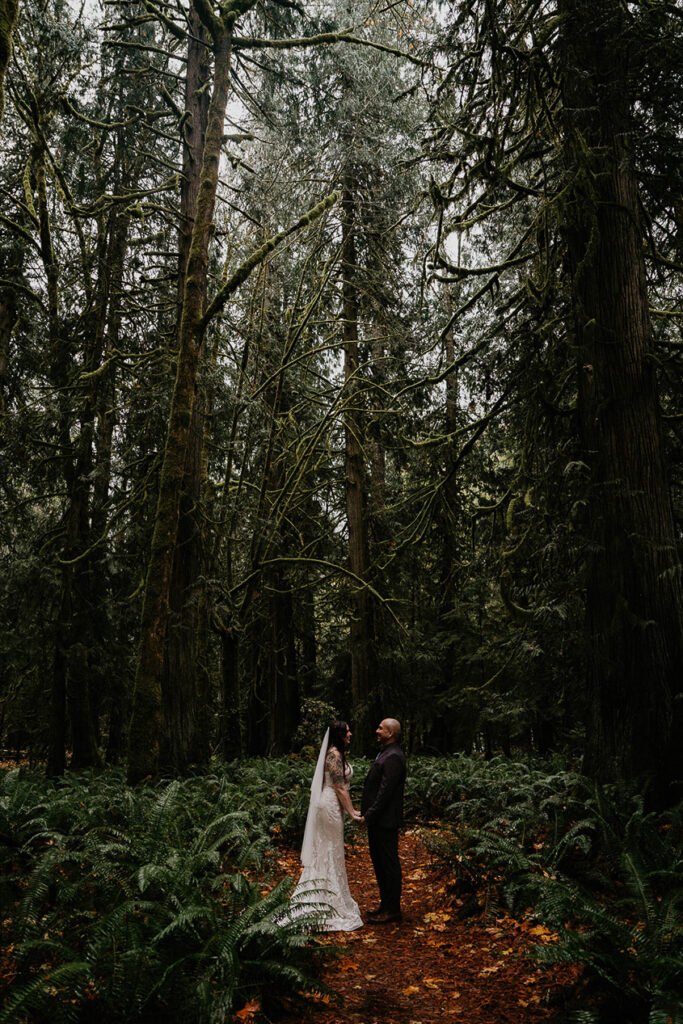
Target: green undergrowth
158, 904
146, 904
586, 861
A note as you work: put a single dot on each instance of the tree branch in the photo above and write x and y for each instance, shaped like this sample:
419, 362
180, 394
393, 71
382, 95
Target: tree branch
243, 271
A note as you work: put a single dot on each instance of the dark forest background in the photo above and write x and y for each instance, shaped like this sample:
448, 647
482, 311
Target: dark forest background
340, 371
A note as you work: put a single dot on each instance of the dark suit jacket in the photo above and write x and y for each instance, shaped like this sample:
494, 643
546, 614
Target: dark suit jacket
382, 802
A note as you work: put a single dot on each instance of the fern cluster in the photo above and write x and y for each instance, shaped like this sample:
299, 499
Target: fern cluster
621, 917
514, 797
585, 860
146, 904
134, 905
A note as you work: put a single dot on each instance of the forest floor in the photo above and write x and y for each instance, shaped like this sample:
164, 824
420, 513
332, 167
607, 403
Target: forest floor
431, 967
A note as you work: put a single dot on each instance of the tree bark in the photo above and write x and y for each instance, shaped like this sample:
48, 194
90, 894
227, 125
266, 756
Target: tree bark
634, 602
229, 724
8, 16
307, 658
179, 742
70, 681
354, 465
145, 727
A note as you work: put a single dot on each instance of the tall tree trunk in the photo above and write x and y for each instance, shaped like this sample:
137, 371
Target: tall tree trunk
307, 642
56, 758
89, 483
8, 16
145, 726
179, 685
78, 632
229, 724
179, 734
112, 689
377, 455
284, 711
56, 754
445, 735
70, 681
634, 600
9, 310
354, 464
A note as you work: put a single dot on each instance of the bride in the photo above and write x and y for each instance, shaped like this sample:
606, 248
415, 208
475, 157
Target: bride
323, 885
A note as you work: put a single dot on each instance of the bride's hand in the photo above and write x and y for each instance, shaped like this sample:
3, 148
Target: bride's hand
355, 815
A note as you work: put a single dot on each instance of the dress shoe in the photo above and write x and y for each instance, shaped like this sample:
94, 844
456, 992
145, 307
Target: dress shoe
375, 912
384, 917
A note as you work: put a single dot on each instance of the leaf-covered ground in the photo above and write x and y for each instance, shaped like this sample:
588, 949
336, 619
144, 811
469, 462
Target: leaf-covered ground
432, 967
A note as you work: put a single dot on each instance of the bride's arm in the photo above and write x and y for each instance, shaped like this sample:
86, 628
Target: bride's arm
334, 766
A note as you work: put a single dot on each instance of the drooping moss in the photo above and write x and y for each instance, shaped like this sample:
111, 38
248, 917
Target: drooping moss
8, 17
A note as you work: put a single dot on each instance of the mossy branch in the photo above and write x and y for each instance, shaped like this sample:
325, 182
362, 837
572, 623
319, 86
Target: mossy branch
145, 48
20, 230
516, 610
16, 286
8, 17
175, 30
68, 106
341, 569
254, 43
438, 439
492, 679
211, 23
257, 257
459, 273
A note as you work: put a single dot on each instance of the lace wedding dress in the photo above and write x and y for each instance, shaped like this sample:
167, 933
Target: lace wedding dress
323, 885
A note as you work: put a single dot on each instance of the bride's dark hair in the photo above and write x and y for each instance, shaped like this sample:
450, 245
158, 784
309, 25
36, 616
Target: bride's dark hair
337, 739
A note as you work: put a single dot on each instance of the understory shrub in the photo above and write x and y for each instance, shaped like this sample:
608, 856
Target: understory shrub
149, 904
138, 905
586, 861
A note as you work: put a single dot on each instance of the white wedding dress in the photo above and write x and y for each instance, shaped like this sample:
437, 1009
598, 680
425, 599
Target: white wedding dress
323, 886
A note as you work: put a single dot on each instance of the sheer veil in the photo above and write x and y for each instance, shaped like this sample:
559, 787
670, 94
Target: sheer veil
316, 792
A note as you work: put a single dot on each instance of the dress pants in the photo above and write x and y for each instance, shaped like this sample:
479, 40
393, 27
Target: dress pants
383, 843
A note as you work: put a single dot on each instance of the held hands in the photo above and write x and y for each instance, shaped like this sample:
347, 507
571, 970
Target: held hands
356, 816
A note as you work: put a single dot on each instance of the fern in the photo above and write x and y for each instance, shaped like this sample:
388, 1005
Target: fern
44, 997
130, 886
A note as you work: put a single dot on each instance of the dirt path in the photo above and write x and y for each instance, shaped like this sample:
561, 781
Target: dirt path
432, 967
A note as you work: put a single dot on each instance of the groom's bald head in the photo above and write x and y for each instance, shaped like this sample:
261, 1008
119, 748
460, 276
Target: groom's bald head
389, 731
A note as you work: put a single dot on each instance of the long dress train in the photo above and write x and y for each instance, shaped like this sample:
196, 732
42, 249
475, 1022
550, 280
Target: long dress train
323, 884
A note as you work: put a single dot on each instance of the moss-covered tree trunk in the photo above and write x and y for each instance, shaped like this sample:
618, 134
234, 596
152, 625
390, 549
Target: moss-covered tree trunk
70, 672
145, 726
179, 733
361, 630
634, 602
229, 734
307, 642
11, 262
56, 757
8, 16
443, 733
273, 704
115, 697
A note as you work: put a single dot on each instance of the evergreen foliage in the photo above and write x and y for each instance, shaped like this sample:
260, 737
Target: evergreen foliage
588, 862
403, 466
135, 904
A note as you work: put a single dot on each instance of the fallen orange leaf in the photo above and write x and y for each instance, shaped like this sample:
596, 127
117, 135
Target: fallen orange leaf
250, 1009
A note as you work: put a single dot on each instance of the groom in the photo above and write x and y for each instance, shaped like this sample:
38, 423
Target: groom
382, 811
